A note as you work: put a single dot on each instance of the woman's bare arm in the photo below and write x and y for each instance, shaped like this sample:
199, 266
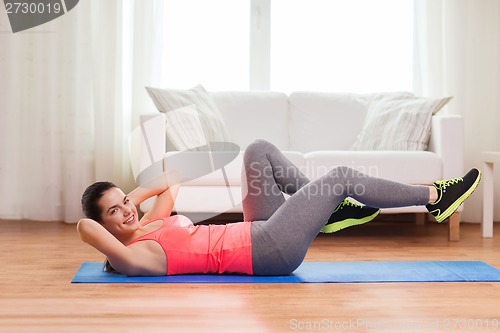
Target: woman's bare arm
165, 196
122, 258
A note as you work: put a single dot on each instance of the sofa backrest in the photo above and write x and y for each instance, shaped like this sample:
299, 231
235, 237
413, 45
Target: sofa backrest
303, 121
325, 121
253, 114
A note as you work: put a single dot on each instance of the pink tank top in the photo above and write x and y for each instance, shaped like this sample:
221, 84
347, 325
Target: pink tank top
207, 249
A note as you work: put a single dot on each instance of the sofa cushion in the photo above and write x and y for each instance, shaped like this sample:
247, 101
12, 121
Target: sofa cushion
232, 170
211, 121
252, 115
325, 121
200, 199
398, 121
184, 128
412, 167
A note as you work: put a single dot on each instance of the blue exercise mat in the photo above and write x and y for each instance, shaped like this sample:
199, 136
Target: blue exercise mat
321, 272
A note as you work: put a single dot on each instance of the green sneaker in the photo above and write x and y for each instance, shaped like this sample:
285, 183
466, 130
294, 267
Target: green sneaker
452, 193
348, 214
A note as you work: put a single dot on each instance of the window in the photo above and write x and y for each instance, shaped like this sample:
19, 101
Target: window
289, 45
341, 45
207, 42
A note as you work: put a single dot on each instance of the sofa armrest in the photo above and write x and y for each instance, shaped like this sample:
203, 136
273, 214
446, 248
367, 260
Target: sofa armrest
447, 140
152, 146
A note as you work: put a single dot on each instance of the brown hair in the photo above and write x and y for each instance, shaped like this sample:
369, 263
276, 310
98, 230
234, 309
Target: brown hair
108, 268
91, 209
90, 199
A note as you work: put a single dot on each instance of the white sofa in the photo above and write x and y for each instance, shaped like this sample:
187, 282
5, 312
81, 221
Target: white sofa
315, 130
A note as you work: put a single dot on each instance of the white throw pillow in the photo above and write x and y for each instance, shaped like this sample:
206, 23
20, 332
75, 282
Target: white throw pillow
184, 128
183, 101
399, 121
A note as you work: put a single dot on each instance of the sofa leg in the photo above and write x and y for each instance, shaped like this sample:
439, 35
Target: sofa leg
454, 227
420, 218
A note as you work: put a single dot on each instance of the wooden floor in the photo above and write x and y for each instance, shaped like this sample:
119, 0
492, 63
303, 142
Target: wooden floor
39, 260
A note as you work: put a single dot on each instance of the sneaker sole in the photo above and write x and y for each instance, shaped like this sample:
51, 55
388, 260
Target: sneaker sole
453, 207
337, 226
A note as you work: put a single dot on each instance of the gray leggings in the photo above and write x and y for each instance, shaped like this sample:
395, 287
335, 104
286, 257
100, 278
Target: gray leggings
282, 230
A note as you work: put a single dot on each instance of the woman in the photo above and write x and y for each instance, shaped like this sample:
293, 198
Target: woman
275, 234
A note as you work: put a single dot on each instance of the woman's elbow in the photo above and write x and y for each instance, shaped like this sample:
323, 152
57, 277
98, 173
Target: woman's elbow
83, 227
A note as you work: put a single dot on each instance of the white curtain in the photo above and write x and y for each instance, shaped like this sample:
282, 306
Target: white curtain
71, 92
457, 53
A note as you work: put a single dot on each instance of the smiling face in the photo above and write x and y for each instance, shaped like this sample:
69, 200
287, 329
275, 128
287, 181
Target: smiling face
118, 213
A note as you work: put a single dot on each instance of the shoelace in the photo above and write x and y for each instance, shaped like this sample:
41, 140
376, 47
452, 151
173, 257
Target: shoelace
449, 182
350, 203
